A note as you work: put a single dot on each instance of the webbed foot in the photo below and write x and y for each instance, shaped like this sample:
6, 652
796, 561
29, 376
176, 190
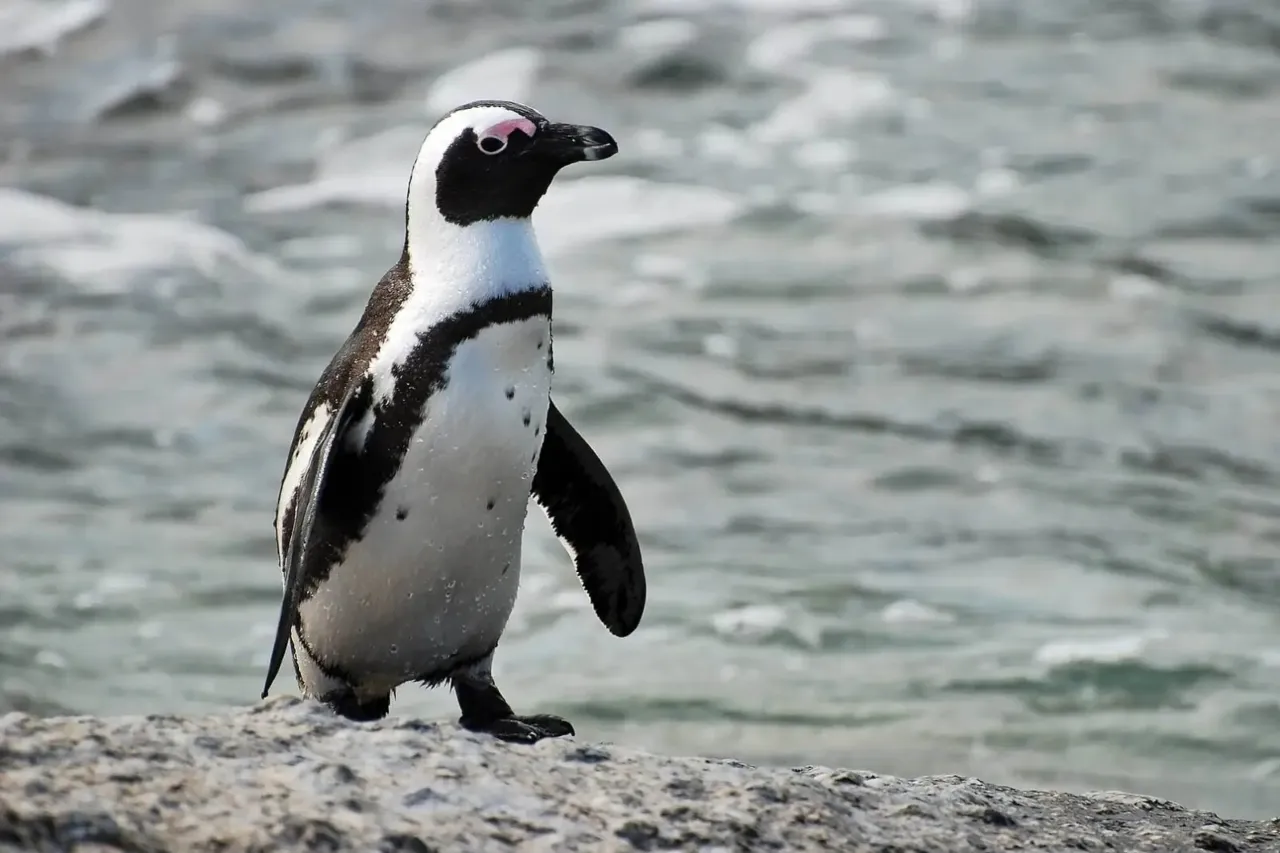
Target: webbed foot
515, 729
486, 712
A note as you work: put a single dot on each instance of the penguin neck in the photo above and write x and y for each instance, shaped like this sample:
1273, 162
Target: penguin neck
453, 267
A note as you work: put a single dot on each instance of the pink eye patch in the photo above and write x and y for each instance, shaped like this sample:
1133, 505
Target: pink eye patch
503, 129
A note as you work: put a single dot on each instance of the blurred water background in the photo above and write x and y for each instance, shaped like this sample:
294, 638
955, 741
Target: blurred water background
935, 343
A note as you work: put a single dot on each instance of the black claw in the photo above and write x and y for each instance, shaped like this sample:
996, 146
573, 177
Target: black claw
511, 731
552, 725
521, 729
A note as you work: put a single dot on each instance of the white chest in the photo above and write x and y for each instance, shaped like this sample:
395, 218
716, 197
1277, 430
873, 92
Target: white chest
437, 571
482, 429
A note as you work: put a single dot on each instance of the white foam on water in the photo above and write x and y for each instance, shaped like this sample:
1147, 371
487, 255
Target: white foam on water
752, 620
775, 7
612, 207
669, 268
824, 155
721, 346
909, 611
333, 248
1131, 287
206, 111
110, 588
507, 75
372, 190
568, 600
1269, 657
50, 659
724, 143
934, 200
758, 621
655, 144
390, 152
1097, 649
27, 25
781, 48
658, 36
105, 251
947, 11
1265, 769
831, 97
370, 171
124, 81
996, 181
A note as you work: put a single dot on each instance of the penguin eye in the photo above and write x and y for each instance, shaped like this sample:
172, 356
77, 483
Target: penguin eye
491, 144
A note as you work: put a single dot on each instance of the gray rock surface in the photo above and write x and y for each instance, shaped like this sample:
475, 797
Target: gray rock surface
287, 776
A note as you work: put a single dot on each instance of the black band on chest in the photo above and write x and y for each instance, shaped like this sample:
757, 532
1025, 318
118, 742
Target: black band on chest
358, 477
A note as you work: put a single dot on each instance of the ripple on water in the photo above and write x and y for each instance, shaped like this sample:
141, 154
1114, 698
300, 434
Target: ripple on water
1008, 229
120, 86
672, 61
1103, 677
1242, 322
953, 428
642, 709
1009, 359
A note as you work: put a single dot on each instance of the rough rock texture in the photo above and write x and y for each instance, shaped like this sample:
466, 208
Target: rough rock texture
288, 776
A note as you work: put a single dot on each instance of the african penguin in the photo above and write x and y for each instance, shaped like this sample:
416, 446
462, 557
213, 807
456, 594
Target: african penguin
403, 503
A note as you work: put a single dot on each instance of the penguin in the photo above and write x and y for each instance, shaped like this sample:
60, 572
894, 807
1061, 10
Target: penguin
403, 502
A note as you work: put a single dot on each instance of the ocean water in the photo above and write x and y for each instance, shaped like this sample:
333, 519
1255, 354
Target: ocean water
934, 343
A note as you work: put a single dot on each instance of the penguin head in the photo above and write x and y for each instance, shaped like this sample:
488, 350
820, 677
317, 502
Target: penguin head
492, 160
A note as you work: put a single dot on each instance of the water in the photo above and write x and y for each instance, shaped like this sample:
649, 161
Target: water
934, 345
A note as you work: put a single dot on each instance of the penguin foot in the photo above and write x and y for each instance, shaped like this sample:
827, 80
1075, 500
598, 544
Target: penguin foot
515, 729
485, 711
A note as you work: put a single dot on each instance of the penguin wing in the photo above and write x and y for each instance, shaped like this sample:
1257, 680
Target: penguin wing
590, 517
306, 509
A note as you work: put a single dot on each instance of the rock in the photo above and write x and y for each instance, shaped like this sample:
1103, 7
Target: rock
288, 776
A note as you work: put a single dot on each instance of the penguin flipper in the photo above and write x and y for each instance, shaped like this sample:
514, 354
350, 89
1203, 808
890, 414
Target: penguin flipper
306, 508
591, 519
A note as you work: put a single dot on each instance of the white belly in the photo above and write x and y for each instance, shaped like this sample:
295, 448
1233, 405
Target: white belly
435, 587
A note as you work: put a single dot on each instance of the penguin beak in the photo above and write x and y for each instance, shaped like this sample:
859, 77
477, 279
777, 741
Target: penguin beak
563, 144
